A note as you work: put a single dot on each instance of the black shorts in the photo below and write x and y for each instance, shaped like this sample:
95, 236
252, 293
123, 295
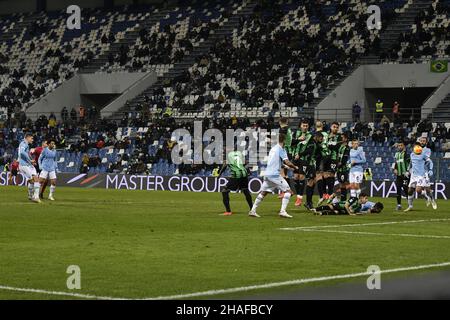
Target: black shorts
235, 184
329, 165
402, 181
342, 177
305, 169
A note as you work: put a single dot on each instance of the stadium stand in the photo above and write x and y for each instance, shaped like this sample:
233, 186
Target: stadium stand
105, 146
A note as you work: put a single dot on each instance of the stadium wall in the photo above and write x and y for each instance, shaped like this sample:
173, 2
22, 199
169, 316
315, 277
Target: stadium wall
195, 184
68, 94
384, 76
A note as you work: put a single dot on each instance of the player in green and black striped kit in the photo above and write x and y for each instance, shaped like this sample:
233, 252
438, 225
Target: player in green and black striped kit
343, 168
311, 155
330, 160
238, 179
350, 207
401, 171
302, 139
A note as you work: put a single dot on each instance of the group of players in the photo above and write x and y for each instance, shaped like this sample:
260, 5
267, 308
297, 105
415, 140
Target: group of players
38, 166
320, 158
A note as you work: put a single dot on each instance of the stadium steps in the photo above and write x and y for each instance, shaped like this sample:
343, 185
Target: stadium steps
402, 23
442, 112
224, 31
129, 39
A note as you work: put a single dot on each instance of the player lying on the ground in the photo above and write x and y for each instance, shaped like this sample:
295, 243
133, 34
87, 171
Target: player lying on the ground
48, 166
238, 180
354, 206
273, 179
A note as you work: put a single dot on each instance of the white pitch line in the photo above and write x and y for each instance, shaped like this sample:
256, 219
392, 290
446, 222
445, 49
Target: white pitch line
237, 289
60, 293
365, 224
379, 233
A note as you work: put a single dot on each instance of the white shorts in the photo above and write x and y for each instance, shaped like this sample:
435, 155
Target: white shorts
28, 171
48, 175
355, 177
417, 181
270, 184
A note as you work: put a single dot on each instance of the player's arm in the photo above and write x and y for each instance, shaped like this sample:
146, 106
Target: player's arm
349, 209
289, 164
286, 161
41, 158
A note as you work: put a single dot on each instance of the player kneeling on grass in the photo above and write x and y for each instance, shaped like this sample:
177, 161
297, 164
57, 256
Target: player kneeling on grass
238, 180
273, 179
48, 165
354, 206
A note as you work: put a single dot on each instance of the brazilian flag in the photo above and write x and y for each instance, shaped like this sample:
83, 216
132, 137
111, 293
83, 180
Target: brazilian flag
439, 66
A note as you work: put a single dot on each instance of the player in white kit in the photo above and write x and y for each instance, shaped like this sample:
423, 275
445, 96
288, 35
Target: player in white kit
273, 179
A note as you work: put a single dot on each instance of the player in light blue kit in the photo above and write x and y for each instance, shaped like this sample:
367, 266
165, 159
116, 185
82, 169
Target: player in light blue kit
356, 160
426, 191
48, 165
273, 179
26, 167
420, 163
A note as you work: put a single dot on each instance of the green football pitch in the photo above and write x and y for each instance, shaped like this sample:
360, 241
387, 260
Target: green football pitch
143, 244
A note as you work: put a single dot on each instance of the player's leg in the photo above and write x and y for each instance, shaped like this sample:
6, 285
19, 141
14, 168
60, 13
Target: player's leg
37, 188
310, 184
399, 186
285, 201
309, 193
284, 175
355, 180
43, 187
256, 204
430, 196
411, 188
226, 201
243, 186
30, 185
329, 181
231, 185
52, 176
299, 184
26, 172
320, 186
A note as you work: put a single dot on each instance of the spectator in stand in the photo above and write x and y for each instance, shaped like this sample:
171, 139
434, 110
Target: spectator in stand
379, 110
64, 114
84, 164
396, 112
356, 112
73, 115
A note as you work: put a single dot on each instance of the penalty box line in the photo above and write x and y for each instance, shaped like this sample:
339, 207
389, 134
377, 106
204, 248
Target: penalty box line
364, 224
409, 235
233, 290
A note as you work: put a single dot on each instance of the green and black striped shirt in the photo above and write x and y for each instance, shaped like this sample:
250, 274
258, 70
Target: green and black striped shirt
402, 161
